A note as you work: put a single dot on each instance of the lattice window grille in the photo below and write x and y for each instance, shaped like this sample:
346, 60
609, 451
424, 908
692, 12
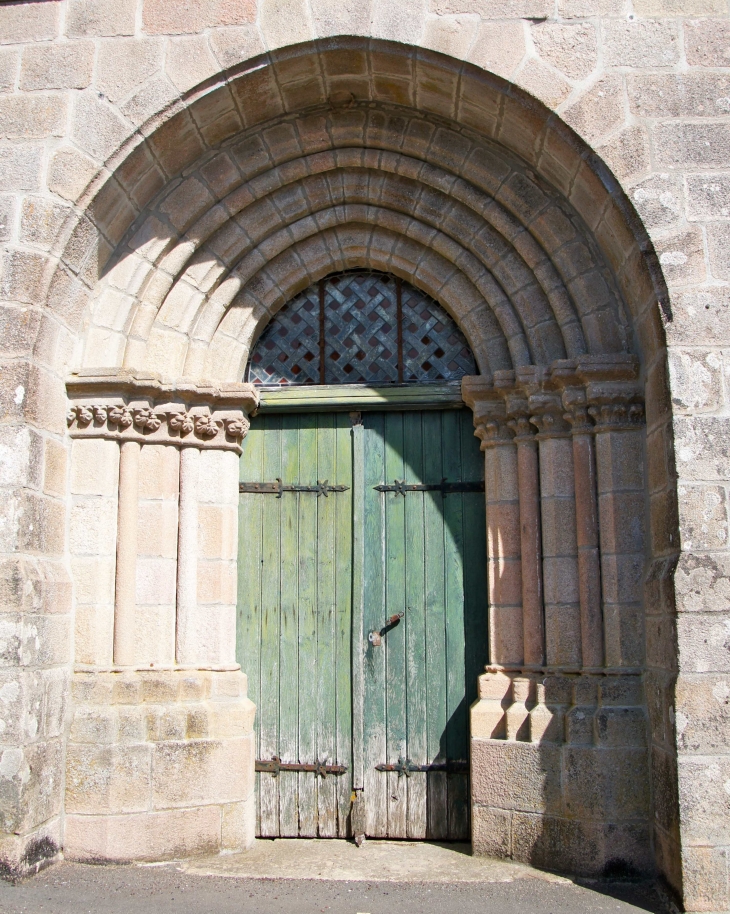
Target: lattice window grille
360, 327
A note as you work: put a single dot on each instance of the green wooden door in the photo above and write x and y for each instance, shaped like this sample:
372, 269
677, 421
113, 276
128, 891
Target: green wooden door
324, 692
424, 557
294, 618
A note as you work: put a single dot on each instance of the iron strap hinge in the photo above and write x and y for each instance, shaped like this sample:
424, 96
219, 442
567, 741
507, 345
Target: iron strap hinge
404, 766
278, 488
400, 487
320, 769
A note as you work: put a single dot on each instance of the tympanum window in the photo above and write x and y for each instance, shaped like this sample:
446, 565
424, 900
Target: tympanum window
360, 328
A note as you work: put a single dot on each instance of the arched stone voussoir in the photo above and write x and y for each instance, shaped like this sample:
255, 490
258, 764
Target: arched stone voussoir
346, 247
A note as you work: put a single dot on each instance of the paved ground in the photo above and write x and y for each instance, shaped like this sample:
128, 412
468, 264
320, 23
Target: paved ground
319, 877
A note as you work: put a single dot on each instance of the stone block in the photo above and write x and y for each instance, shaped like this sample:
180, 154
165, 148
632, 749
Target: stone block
682, 8
94, 724
696, 379
101, 18
511, 775
20, 168
238, 825
570, 48
707, 42
188, 61
582, 848
599, 111
202, 771
491, 832
30, 22
235, 44
620, 727
627, 153
606, 784
231, 720
124, 64
168, 17
96, 127
94, 467
703, 448
704, 799
703, 517
705, 879
702, 583
487, 719
158, 531
659, 200
93, 526
678, 145
107, 779
708, 196
640, 43
57, 66
169, 835
28, 116
703, 642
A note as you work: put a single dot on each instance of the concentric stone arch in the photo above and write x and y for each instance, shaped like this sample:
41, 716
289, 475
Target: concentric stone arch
354, 153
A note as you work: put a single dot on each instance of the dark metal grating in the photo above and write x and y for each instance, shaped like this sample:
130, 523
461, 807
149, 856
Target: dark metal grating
360, 328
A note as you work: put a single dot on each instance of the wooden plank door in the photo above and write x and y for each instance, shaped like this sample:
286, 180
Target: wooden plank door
424, 557
294, 618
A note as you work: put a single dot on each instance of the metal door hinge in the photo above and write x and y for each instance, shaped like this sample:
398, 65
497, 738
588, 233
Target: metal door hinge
278, 488
320, 769
400, 487
404, 766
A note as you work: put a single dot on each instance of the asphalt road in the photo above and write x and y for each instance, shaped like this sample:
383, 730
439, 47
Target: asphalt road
74, 889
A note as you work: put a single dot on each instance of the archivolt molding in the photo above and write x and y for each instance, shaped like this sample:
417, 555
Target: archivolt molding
203, 270
143, 408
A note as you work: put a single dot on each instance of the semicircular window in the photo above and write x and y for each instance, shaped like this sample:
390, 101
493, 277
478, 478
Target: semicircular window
360, 327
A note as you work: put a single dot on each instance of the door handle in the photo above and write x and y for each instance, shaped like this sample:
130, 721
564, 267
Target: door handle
376, 637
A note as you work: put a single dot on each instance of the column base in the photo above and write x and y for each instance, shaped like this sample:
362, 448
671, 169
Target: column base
160, 766
560, 773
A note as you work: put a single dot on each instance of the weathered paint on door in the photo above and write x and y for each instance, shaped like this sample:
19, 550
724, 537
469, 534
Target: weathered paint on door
425, 558
294, 618
421, 554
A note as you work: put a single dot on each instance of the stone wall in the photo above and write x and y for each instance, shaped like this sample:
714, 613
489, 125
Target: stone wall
92, 98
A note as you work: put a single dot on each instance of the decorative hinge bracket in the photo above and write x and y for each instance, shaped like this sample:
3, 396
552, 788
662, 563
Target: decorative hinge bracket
278, 488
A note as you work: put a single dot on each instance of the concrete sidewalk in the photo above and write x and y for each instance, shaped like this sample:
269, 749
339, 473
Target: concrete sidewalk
311, 877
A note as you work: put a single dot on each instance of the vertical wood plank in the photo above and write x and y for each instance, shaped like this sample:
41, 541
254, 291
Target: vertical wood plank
270, 631
436, 794
476, 621
250, 555
289, 634
326, 657
343, 542
308, 567
374, 724
394, 641
415, 624
456, 711
358, 607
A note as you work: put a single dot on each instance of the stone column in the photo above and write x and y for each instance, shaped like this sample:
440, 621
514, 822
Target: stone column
621, 511
168, 724
187, 557
559, 544
503, 522
530, 532
586, 513
126, 569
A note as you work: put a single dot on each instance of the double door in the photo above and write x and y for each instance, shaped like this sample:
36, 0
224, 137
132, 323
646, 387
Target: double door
362, 619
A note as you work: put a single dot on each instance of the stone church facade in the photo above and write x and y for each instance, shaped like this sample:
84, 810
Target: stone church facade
555, 174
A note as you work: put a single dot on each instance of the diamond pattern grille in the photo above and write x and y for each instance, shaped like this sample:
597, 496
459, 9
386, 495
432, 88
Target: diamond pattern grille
372, 329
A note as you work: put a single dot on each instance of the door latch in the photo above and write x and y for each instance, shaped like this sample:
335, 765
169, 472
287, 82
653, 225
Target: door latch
376, 637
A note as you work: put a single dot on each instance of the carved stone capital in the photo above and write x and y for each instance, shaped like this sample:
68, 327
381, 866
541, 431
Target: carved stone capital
576, 411
547, 416
614, 417
493, 431
127, 407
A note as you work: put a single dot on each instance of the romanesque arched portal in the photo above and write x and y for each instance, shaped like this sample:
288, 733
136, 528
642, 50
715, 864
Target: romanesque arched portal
319, 159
